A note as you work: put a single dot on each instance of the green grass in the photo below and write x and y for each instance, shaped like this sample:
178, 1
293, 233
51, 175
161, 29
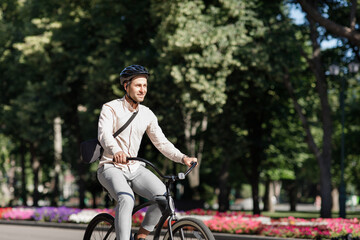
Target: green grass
305, 215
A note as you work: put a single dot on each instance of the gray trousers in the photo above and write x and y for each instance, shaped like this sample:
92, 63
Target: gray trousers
121, 186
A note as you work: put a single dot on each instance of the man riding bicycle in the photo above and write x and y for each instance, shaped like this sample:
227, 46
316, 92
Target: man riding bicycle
120, 177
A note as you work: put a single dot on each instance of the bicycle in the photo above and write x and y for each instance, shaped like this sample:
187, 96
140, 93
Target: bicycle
102, 225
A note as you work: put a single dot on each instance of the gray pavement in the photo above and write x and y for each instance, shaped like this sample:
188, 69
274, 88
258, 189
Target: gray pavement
32, 230
28, 232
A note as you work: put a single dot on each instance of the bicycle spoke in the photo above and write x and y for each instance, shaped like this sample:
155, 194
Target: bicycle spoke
182, 234
197, 235
187, 234
101, 228
103, 232
190, 229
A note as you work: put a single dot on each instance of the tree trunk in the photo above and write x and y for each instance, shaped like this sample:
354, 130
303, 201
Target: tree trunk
36, 170
268, 196
192, 128
255, 195
79, 165
224, 187
23, 174
324, 159
335, 200
11, 182
325, 190
324, 156
256, 154
292, 196
81, 182
333, 27
57, 155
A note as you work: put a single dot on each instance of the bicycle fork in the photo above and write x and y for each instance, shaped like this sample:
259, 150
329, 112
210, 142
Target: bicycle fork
167, 207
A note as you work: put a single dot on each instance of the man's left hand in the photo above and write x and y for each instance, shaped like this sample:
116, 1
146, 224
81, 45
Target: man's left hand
189, 160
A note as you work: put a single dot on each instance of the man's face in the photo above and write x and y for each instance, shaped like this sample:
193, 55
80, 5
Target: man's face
137, 89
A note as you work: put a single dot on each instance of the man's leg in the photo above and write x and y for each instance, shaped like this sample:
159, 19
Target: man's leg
148, 185
114, 180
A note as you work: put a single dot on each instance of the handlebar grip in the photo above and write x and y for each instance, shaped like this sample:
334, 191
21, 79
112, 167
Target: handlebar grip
193, 164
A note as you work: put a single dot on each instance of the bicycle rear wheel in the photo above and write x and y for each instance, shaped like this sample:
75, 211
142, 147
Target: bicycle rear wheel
101, 227
188, 229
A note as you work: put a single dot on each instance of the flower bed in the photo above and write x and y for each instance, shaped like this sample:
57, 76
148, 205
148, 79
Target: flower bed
53, 214
229, 222
334, 228
235, 225
18, 213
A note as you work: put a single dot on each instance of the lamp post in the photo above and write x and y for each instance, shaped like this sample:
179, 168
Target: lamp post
335, 70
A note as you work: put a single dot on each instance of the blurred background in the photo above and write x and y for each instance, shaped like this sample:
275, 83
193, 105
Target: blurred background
264, 93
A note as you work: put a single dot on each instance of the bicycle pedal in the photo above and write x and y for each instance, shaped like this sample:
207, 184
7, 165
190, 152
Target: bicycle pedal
134, 238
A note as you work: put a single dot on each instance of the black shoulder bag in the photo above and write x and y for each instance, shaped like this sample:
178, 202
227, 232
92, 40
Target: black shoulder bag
91, 150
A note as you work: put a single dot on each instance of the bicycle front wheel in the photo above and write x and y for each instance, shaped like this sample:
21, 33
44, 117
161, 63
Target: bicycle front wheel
188, 229
101, 227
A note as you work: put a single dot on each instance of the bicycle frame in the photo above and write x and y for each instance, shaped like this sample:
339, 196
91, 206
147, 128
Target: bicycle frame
168, 210
162, 220
167, 214
102, 225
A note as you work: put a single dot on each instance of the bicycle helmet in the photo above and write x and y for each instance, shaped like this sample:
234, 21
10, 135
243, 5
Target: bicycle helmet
131, 71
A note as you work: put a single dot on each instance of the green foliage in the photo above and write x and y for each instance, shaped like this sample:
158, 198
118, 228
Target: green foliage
222, 60
198, 45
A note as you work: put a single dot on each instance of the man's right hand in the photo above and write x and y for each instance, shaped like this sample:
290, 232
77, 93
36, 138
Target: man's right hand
120, 157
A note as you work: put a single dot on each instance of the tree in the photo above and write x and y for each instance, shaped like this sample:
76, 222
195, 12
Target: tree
338, 29
263, 105
323, 154
197, 42
15, 102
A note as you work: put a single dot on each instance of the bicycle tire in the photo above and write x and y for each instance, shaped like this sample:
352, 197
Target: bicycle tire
101, 227
189, 229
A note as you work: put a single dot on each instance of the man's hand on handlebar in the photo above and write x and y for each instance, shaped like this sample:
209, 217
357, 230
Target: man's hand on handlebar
120, 157
189, 160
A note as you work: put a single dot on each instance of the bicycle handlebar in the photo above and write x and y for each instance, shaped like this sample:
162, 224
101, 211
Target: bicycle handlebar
174, 178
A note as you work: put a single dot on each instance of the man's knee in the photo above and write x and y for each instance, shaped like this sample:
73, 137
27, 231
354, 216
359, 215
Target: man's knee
126, 199
162, 202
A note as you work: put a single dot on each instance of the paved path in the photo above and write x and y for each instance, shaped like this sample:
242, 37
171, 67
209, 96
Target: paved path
31, 230
20, 232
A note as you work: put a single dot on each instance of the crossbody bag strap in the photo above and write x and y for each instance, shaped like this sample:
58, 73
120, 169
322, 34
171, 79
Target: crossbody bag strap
125, 125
